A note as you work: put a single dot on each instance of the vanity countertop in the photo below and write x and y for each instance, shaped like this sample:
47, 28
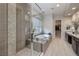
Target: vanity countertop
70, 33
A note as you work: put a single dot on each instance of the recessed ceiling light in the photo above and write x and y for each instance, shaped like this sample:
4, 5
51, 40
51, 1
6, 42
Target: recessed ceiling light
73, 8
69, 14
58, 5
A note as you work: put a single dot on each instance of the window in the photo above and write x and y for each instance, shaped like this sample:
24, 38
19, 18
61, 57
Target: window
36, 25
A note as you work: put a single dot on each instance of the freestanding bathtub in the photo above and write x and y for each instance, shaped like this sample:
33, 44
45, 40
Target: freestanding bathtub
41, 42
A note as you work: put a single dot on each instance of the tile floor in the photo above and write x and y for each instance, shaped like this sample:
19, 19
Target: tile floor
59, 47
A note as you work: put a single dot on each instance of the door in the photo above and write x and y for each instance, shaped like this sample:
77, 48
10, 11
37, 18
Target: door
58, 28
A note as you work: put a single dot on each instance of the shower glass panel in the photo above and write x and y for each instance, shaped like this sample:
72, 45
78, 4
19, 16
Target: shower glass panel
37, 29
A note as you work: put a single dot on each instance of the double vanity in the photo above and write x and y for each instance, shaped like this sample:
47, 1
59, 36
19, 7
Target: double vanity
73, 39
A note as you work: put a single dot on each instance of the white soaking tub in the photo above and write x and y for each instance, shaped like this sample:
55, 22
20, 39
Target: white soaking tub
43, 37
41, 42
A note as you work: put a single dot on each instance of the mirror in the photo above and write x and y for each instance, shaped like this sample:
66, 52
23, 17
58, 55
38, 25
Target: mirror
75, 21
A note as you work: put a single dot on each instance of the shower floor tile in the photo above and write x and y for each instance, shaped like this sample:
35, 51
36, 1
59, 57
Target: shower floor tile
28, 52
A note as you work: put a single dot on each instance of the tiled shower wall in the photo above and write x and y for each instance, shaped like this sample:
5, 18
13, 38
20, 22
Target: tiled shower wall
3, 29
16, 27
11, 29
21, 12
20, 30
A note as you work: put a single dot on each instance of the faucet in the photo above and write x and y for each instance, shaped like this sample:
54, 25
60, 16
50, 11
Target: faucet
32, 35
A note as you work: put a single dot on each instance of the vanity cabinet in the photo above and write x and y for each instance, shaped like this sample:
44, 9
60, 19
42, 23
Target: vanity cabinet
68, 38
78, 48
74, 45
74, 40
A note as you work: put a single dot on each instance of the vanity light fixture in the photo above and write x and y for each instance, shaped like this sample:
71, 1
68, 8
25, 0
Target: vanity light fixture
73, 8
58, 5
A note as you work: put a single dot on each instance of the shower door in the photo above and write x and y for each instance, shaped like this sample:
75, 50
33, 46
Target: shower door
36, 30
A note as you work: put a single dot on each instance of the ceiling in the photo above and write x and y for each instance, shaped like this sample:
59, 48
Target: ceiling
58, 12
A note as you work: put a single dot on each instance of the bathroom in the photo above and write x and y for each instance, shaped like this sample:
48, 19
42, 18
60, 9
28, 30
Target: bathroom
43, 30
28, 29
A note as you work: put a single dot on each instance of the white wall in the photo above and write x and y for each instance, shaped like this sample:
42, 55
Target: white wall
65, 22
49, 24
